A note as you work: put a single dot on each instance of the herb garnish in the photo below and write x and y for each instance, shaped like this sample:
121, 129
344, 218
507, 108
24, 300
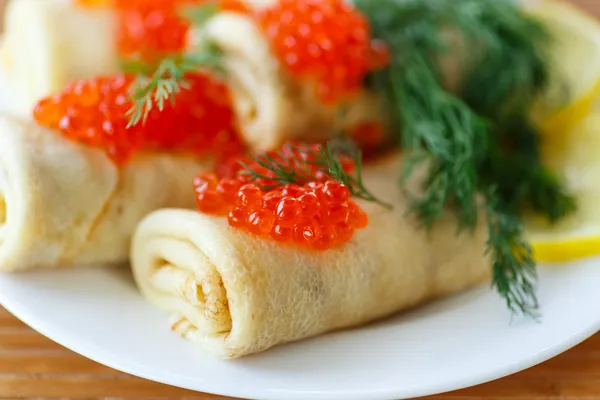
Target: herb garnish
514, 270
478, 143
297, 163
156, 85
167, 80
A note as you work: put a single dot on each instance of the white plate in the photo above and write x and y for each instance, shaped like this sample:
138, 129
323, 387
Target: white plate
447, 345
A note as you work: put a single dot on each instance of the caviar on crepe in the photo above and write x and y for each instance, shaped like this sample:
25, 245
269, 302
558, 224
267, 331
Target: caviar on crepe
315, 212
94, 112
148, 29
310, 216
327, 41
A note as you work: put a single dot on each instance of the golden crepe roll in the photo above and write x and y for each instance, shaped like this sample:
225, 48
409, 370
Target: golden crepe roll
233, 294
65, 204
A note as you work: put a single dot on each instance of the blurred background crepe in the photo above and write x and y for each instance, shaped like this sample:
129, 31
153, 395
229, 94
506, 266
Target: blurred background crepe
66, 204
272, 107
234, 294
48, 45
73, 42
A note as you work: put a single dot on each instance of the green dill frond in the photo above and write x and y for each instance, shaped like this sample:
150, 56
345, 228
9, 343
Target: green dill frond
295, 164
435, 127
511, 70
330, 156
514, 271
440, 130
506, 97
155, 86
522, 181
168, 80
476, 139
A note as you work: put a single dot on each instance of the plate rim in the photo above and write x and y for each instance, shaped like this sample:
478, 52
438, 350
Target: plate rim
105, 357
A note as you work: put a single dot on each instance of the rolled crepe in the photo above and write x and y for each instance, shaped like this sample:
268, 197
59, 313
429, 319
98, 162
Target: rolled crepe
272, 106
64, 204
233, 294
49, 43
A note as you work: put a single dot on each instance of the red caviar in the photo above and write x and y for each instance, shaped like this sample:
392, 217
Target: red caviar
328, 41
369, 135
94, 111
318, 214
151, 28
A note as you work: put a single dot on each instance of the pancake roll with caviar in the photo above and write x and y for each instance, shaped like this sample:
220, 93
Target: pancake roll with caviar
262, 267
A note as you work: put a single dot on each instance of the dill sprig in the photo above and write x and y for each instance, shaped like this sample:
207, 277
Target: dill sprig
507, 101
507, 38
298, 163
522, 182
514, 270
440, 129
477, 143
155, 86
166, 81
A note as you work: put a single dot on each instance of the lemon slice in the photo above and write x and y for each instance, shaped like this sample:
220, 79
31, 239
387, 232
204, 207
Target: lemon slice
575, 157
562, 244
575, 71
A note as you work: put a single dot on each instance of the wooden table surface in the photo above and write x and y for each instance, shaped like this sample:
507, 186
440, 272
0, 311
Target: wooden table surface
32, 366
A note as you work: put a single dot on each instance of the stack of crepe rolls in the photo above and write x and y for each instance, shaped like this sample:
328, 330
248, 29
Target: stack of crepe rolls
63, 203
66, 204
233, 294
50, 43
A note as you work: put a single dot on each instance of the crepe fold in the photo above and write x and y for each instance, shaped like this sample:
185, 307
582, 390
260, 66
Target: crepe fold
273, 107
64, 204
233, 294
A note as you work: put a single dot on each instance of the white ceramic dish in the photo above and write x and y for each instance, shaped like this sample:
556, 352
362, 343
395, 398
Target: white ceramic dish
450, 344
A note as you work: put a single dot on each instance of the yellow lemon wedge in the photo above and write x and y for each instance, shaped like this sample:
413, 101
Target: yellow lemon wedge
575, 157
575, 67
562, 244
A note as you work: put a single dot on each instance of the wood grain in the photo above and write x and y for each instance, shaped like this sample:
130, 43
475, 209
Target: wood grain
34, 367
